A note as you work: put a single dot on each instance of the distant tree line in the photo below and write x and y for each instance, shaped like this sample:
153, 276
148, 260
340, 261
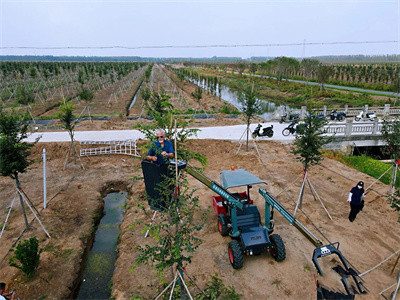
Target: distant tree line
327, 58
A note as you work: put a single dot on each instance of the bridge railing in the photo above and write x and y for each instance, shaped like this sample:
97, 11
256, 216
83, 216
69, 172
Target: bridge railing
352, 128
386, 110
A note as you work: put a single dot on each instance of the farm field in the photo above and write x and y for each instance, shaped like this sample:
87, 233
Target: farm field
75, 203
297, 94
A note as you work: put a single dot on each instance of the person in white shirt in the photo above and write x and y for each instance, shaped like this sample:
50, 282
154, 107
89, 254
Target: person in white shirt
3, 295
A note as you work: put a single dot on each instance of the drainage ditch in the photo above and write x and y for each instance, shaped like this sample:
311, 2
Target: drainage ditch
100, 262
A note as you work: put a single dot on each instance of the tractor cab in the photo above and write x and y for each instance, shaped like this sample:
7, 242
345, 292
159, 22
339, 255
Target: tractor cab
243, 222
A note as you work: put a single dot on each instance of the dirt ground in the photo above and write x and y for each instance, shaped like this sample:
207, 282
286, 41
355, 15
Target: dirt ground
371, 238
75, 195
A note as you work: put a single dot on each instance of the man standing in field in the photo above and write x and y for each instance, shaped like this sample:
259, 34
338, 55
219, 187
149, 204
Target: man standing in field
161, 150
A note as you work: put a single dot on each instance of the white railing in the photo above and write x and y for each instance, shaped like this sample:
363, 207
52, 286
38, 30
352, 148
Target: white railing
126, 148
113, 142
352, 128
353, 111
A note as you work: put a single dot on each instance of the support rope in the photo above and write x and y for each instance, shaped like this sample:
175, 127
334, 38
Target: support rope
382, 262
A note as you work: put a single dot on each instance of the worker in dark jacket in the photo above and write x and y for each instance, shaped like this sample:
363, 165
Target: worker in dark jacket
356, 200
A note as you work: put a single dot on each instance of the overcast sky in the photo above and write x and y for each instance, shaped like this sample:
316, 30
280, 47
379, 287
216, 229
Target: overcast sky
137, 23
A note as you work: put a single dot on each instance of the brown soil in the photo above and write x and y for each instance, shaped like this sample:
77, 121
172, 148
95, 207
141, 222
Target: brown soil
75, 202
364, 243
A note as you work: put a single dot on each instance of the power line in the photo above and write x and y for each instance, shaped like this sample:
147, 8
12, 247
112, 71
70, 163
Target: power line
198, 46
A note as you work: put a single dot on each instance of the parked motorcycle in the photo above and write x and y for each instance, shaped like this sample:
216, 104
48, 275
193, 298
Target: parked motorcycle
289, 117
335, 115
362, 115
292, 128
267, 131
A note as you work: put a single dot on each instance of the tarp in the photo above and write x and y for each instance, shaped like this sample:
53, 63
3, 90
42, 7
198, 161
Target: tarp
238, 177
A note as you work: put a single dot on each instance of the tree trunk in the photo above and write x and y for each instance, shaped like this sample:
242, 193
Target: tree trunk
247, 135
21, 200
71, 134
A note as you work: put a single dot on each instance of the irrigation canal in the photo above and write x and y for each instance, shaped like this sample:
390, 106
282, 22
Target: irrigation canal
231, 96
100, 264
135, 97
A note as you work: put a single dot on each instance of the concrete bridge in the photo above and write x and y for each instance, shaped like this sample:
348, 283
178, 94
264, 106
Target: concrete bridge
350, 134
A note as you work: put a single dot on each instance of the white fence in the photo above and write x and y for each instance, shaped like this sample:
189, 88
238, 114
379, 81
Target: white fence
127, 147
352, 128
353, 111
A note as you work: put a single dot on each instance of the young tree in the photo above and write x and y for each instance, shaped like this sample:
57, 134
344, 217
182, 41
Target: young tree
391, 134
240, 66
86, 95
253, 68
198, 94
28, 256
309, 141
396, 88
309, 66
14, 152
250, 107
324, 72
68, 121
307, 145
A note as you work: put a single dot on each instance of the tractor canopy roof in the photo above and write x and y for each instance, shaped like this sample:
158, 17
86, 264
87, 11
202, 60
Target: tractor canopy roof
238, 177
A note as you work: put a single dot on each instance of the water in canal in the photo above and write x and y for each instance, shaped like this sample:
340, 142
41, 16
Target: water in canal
100, 264
134, 97
225, 93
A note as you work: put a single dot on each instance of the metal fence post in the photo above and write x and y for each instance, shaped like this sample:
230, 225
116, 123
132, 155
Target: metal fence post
44, 179
324, 110
346, 108
366, 109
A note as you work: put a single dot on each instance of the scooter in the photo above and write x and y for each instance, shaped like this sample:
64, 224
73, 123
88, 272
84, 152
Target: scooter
267, 131
335, 115
291, 117
369, 116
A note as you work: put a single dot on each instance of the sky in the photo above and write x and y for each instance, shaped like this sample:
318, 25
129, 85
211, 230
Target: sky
314, 26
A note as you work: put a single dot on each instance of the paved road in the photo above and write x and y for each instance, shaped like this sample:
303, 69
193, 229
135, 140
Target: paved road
232, 133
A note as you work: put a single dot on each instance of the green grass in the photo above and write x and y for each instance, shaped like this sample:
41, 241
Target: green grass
368, 165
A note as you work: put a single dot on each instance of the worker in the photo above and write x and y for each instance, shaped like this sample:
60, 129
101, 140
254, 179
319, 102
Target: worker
356, 200
4, 295
161, 150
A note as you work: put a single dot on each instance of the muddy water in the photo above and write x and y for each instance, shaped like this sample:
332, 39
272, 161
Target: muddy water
100, 264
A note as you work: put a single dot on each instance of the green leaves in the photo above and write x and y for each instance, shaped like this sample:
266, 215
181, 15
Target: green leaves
174, 230
309, 141
27, 257
14, 152
391, 134
66, 115
86, 95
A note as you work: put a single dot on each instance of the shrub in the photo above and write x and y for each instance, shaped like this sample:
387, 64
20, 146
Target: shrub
28, 256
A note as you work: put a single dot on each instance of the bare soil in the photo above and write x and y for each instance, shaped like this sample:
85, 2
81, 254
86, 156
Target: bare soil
75, 203
366, 242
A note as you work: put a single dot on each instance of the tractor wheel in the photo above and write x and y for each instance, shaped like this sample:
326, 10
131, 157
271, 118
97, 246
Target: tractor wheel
340, 118
235, 255
285, 132
357, 119
223, 225
278, 251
